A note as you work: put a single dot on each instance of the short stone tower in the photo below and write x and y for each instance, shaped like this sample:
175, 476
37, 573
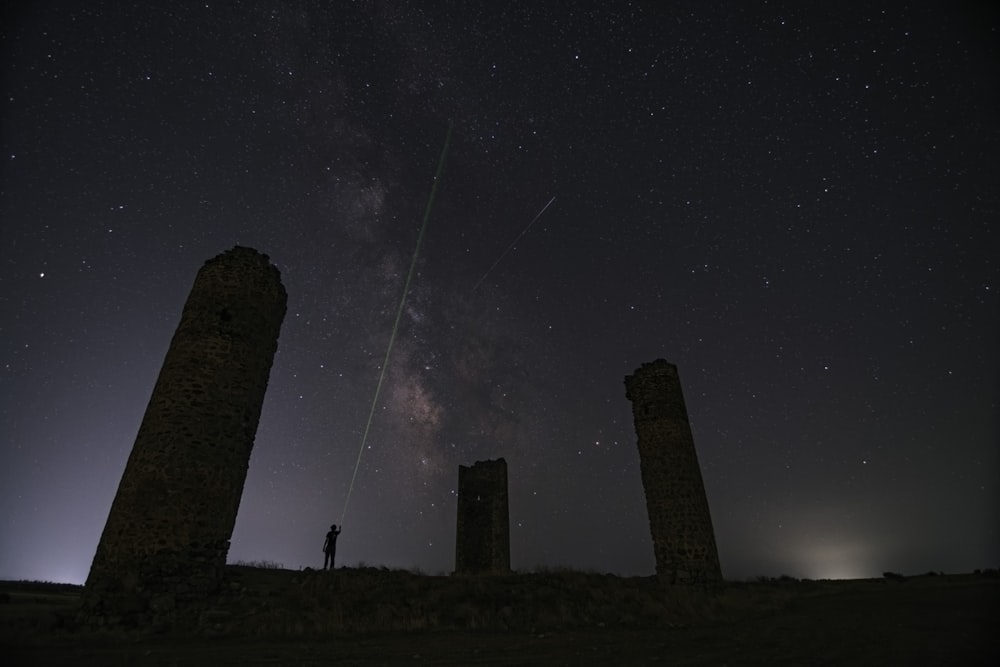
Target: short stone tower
679, 520
482, 545
167, 535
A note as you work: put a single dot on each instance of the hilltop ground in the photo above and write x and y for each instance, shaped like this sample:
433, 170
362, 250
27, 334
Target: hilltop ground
374, 616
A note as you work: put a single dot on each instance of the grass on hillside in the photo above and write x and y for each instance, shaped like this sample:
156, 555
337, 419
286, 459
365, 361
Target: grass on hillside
268, 601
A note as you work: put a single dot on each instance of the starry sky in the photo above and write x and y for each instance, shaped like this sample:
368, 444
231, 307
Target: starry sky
796, 203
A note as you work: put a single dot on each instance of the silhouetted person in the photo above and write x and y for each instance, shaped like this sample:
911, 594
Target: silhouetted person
330, 546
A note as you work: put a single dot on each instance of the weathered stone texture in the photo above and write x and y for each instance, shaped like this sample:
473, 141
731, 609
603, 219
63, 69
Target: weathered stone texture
482, 545
168, 531
679, 519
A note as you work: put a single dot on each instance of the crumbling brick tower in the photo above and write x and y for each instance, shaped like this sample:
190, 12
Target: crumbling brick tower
168, 531
482, 545
679, 520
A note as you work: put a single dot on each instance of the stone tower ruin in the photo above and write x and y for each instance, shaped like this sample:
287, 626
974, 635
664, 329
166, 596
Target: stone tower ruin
482, 545
168, 532
679, 520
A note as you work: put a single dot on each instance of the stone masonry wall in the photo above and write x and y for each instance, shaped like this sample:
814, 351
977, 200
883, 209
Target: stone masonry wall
168, 532
679, 519
482, 545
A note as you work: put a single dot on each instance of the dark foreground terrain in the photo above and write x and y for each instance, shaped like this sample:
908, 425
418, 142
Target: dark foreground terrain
380, 617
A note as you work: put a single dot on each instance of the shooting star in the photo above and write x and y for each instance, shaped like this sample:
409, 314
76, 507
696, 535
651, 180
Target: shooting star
399, 316
512, 244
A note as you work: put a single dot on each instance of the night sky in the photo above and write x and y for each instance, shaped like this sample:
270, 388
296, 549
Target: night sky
798, 206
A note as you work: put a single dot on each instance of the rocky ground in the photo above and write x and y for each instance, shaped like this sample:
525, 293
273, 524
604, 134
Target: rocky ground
380, 617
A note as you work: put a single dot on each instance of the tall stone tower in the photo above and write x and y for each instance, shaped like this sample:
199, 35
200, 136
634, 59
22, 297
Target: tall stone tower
168, 531
679, 520
482, 545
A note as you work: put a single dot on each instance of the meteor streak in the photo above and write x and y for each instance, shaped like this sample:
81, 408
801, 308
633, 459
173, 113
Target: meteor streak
512, 244
399, 316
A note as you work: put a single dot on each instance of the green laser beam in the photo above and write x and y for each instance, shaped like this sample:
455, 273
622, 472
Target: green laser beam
399, 316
